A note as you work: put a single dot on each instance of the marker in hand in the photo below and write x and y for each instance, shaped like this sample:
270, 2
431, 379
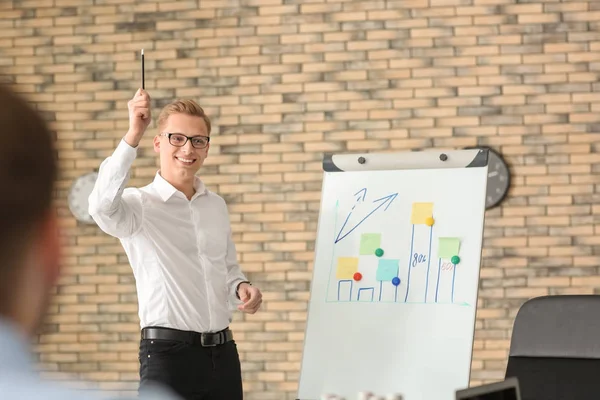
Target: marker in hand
143, 77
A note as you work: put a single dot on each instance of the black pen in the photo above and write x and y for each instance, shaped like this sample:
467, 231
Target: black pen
143, 79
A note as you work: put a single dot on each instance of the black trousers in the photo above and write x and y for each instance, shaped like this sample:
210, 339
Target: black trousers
190, 370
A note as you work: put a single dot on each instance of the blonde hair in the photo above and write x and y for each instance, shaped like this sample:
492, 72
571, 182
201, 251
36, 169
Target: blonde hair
189, 107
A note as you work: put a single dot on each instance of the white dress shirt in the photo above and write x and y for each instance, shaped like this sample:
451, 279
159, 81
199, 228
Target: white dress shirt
181, 251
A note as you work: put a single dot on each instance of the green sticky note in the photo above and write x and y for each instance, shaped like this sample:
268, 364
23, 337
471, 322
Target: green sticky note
448, 247
369, 242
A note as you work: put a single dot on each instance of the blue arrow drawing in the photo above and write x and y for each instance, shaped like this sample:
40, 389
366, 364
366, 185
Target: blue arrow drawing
384, 201
361, 194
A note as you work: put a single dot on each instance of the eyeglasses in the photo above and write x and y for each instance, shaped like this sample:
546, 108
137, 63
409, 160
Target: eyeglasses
179, 140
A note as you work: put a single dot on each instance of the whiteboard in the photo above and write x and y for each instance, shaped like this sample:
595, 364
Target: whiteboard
391, 309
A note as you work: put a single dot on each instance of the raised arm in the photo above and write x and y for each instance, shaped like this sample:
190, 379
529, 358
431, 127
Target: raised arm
116, 213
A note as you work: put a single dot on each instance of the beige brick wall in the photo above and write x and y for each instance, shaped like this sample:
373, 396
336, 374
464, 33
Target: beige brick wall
285, 81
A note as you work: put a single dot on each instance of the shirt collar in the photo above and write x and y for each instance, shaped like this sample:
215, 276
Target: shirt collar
166, 190
15, 350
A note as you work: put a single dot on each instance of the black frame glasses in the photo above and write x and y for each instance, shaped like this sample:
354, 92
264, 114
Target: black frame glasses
190, 138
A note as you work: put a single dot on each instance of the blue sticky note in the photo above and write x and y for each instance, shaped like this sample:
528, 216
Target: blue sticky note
387, 270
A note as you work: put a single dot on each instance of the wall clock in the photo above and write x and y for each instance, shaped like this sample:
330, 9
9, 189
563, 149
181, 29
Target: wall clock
498, 181
78, 197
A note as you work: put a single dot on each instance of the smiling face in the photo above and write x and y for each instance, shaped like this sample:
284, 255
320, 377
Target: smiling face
181, 163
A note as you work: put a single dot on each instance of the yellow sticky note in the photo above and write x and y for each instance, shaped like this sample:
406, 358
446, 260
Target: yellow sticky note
420, 213
346, 267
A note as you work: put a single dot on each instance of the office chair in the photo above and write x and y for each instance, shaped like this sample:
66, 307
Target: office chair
555, 348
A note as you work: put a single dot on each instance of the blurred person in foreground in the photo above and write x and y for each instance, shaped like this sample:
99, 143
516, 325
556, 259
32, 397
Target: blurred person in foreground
29, 250
177, 236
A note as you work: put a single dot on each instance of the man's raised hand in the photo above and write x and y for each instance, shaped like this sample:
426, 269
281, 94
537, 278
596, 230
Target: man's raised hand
139, 117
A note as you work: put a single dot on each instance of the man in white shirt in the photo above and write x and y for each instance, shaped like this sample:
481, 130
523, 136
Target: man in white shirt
178, 239
29, 251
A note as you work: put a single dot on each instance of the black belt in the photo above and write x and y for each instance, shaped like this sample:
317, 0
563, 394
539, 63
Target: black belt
209, 339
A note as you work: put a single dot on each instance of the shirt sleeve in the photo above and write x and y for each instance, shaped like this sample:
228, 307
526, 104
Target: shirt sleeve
117, 213
234, 272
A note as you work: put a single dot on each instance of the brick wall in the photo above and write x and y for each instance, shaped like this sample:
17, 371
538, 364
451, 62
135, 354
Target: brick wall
285, 81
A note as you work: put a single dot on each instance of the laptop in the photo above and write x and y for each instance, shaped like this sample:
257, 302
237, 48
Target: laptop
505, 390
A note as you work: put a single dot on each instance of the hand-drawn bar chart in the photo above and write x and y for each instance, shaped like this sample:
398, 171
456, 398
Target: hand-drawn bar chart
374, 270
